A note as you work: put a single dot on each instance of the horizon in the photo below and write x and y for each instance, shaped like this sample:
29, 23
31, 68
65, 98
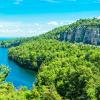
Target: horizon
24, 18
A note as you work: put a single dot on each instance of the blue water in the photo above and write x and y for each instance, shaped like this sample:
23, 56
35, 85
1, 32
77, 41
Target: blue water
18, 75
1, 39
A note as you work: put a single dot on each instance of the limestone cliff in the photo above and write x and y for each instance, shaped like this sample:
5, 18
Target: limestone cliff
83, 33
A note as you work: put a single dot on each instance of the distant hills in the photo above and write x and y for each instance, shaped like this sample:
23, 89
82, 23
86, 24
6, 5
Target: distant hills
65, 71
82, 31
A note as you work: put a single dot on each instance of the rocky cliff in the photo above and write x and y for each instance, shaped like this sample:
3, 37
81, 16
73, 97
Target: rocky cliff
83, 33
84, 30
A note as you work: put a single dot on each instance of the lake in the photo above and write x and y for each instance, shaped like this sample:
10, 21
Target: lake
1, 39
18, 75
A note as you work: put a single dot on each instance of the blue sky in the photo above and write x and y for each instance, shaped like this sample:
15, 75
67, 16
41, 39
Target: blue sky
32, 17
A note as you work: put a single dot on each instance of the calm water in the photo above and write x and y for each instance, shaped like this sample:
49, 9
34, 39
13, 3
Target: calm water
18, 76
1, 39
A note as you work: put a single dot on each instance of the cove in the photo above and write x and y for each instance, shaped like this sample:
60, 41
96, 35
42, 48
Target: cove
18, 75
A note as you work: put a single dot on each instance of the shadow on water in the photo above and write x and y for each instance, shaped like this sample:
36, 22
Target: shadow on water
18, 75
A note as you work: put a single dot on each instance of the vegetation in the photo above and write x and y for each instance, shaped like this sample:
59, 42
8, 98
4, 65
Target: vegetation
84, 30
66, 71
70, 70
3, 73
15, 42
84, 25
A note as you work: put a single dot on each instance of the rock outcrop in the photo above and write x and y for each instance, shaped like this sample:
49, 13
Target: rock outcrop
85, 34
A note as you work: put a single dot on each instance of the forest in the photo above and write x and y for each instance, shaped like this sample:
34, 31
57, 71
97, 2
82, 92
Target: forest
85, 31
65, 70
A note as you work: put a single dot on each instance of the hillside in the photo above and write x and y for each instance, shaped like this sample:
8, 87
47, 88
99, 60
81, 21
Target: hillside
65, 70
15, 42
84, 30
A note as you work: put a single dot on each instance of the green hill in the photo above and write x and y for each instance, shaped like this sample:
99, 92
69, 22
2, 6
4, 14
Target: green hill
84, 30
65, 70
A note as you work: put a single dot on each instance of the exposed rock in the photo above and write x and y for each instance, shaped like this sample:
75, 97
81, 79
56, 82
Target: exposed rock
85, 34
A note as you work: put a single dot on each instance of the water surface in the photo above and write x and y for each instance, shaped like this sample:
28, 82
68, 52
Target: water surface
1, 39
18, 75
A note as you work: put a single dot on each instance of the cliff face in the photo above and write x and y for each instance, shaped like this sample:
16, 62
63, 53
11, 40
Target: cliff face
86, 34
84, 30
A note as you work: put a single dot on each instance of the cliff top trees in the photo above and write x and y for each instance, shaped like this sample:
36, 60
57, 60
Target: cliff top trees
72, 70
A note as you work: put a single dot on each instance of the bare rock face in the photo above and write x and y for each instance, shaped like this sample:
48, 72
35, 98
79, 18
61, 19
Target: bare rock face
85, 34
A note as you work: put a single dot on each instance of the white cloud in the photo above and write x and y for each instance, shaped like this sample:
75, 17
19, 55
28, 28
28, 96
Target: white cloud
60, 23
51, 1
25, 29
72, 0
58, 1
17, 2
98, 1
98, 17
66, 22
53, 23
17, 29
22, 29
37, 24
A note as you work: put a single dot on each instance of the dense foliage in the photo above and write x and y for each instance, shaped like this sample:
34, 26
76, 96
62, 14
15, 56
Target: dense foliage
70, 70
3, 73
15, 41
7, 90
66, 71
89, 26
84, 30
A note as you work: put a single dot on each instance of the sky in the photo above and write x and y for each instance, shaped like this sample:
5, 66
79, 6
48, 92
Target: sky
25, 18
